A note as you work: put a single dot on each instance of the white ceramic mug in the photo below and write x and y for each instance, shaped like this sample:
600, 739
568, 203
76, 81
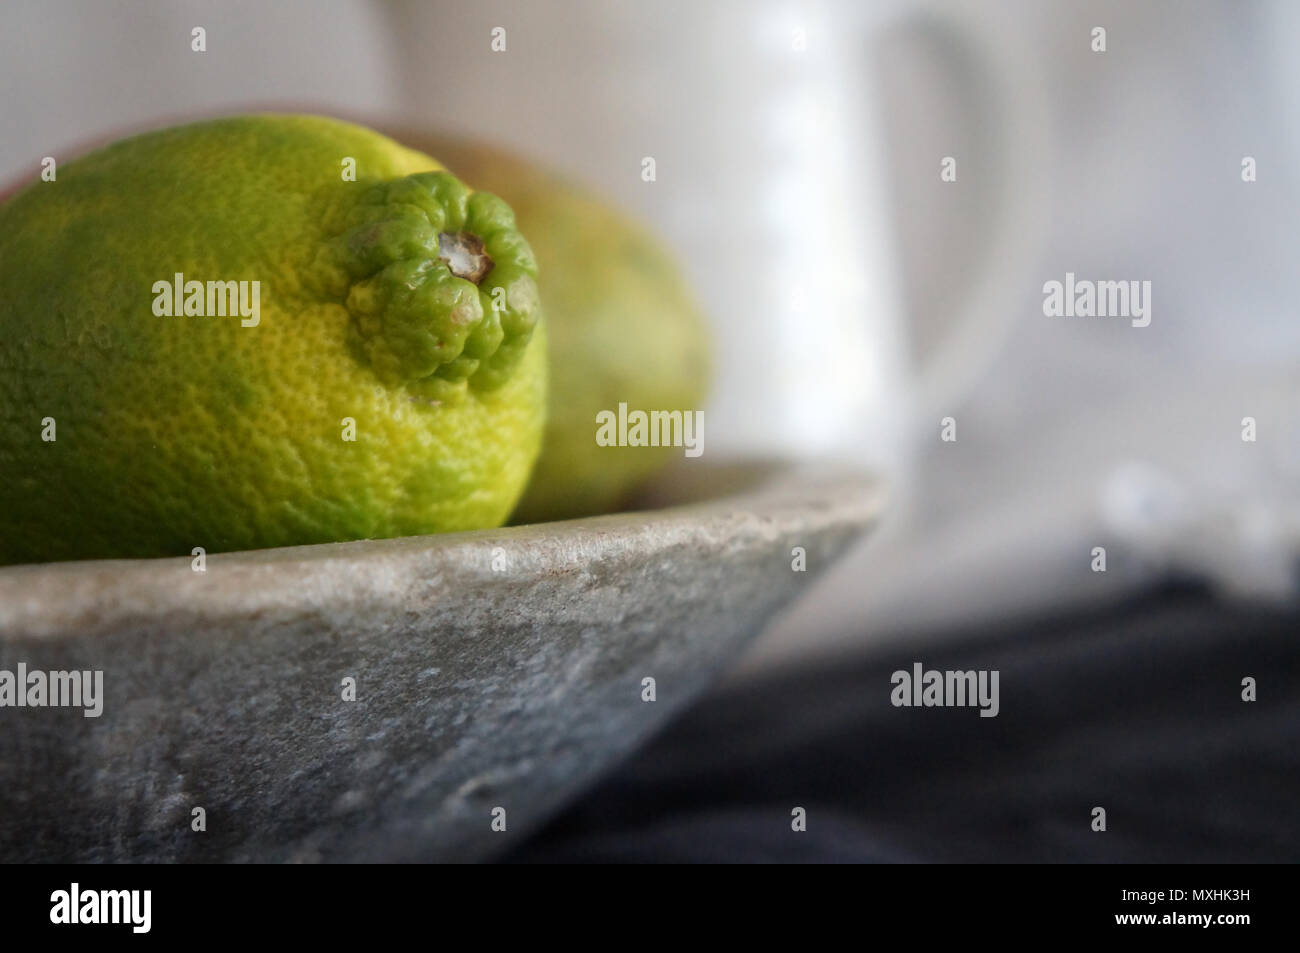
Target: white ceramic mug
761, 119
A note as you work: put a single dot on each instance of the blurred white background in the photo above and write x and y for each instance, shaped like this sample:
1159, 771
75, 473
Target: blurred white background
856, 297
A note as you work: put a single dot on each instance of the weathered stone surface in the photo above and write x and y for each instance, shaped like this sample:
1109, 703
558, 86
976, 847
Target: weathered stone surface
476, 687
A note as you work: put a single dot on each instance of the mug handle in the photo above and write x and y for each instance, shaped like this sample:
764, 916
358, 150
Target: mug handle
1009, 103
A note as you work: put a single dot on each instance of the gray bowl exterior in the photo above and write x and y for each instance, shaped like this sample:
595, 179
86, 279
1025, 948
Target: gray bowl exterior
495, 669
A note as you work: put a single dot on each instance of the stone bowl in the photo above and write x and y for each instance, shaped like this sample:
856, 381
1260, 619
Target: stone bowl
497, 673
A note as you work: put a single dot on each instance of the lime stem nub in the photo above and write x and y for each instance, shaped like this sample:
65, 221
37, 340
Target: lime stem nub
465, 256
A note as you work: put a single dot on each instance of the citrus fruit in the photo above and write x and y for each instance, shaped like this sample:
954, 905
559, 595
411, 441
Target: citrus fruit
260, 331
622, 326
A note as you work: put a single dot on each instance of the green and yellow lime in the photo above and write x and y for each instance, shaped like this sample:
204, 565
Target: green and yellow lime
260, 331
623, 327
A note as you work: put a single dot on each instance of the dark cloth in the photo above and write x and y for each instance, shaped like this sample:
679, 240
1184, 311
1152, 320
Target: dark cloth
1138, 710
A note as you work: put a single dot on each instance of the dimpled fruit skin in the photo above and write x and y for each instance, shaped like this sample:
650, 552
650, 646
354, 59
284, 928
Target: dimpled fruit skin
622, 327
180, 431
